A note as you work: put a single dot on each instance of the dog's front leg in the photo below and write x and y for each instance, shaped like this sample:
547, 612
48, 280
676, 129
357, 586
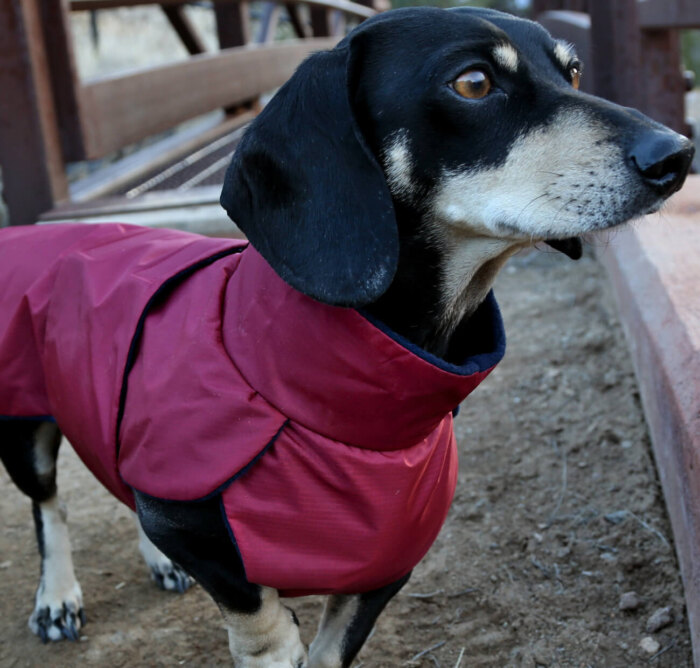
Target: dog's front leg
345, 624
29, 450
262, 632
266, 638
166, 574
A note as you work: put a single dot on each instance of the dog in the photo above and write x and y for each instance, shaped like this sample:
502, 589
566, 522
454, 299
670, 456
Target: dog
381, 190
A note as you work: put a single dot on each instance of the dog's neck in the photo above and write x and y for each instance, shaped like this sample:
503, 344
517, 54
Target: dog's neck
441, 279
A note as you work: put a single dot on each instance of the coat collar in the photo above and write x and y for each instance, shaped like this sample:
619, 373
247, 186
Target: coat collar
339, 373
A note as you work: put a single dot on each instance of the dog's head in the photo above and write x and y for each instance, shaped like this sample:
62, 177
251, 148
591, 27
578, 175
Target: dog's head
468, 119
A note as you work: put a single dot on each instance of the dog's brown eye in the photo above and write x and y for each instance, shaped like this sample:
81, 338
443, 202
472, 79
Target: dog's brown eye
575, 72
473, 84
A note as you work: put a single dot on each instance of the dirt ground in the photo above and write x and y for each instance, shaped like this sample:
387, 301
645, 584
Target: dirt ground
557, 513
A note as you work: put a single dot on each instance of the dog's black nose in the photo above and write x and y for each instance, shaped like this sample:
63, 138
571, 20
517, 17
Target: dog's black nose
663, 159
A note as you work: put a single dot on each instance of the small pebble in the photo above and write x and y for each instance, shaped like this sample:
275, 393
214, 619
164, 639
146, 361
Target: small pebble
617, 517
649, 645
630, 601
660, 619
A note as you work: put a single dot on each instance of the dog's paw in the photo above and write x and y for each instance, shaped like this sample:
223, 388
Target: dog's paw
57, 616
269, 639
169, 576
273, 660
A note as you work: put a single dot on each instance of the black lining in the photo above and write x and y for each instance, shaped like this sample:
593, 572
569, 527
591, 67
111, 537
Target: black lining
231, 535
28, 418
241, 472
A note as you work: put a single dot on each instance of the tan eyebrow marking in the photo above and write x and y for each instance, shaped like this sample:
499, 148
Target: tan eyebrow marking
564, 52
506, 56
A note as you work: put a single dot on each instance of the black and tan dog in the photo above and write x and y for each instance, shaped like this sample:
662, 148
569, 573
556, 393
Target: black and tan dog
396, 173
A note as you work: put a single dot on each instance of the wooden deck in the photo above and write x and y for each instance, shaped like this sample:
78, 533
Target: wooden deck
656, 276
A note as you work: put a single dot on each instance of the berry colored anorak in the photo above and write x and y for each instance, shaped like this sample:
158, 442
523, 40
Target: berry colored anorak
184, 367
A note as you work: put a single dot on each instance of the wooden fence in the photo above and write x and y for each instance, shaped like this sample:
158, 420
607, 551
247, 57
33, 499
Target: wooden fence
48, 117
631, 49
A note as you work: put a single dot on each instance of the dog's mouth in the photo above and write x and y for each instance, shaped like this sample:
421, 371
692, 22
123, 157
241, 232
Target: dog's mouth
571, 247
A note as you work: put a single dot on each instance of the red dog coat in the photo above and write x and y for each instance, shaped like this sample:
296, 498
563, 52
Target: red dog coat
183, 366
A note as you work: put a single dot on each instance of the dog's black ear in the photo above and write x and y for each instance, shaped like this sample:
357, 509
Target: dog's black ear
309, 193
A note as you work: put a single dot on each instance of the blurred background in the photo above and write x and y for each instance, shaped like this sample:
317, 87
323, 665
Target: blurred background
105, 79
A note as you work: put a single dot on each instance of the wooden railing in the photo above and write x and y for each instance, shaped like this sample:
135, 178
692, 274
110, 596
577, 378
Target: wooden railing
48, 117
631, 49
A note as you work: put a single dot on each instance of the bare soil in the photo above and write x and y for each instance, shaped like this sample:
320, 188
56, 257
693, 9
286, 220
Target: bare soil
557, 513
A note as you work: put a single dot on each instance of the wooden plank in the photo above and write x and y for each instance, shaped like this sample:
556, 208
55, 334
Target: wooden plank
321, 22
616, 52
115, 205
663, 80
30, 146
301, 29
139, 165
654, 14
342, 5
58, 41
195, 211
232, 23
123, 109
184, 28
655, 275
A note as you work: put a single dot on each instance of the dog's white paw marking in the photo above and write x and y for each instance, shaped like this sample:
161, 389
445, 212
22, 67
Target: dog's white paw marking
169, 576
58, 611
268, 638
166, 574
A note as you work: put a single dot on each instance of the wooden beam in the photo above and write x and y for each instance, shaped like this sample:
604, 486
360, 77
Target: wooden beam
232, 23
301, 29
30, 145
123, 109
654, 271
616, 52
342, 5
156, 157
664, 82
184, 28
58, 40
655, 14
321, 22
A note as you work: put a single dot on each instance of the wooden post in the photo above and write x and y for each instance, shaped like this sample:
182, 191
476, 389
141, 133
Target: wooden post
30, 145
321, 22
300, 28
616, 52
184, 28
55, 17
232, 23
663, 79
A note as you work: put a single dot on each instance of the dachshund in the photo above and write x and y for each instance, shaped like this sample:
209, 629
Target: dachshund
381, 191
